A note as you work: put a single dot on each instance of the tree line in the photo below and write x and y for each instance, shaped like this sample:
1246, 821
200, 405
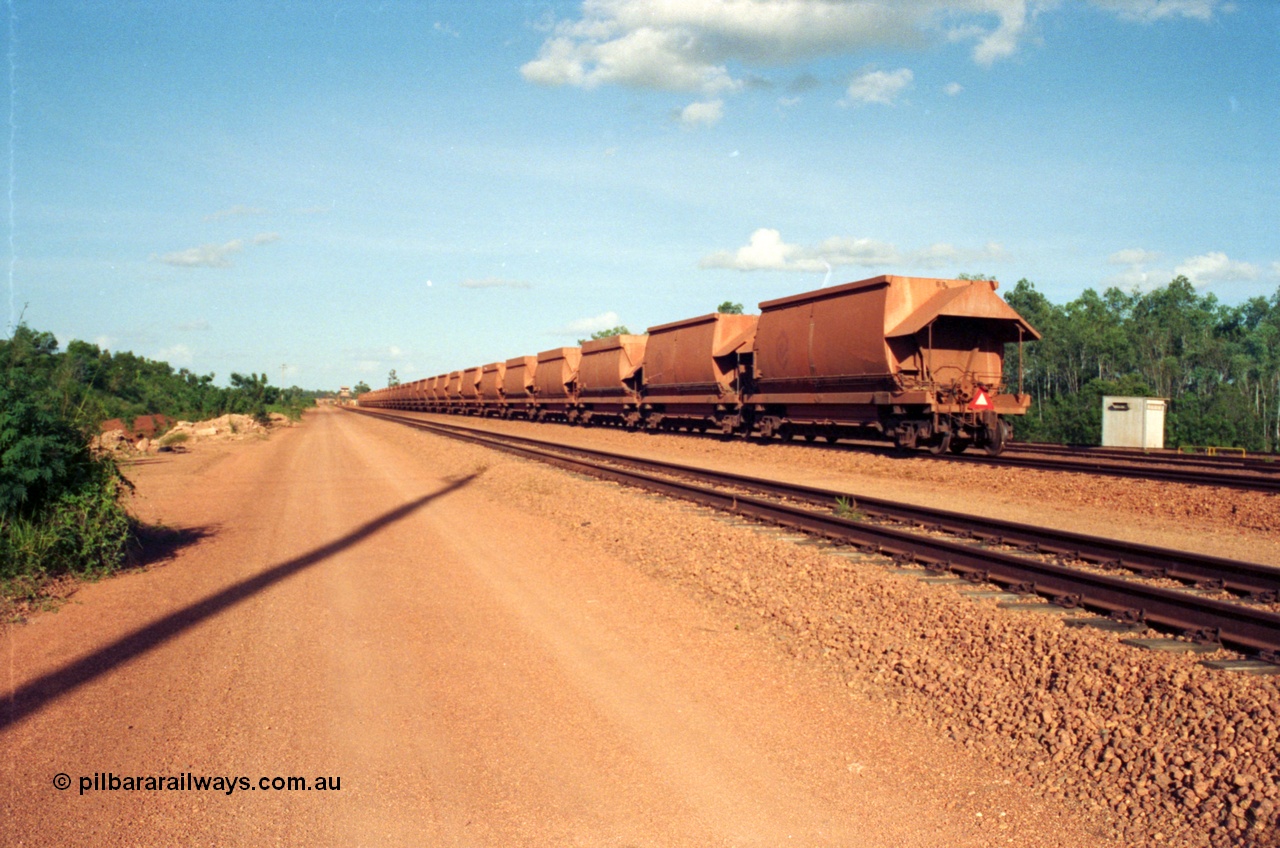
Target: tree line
88, 385
1219, 365
60, 504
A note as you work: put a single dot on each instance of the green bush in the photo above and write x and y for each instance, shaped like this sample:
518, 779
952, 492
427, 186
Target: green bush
83, 531
42, 454
60, 509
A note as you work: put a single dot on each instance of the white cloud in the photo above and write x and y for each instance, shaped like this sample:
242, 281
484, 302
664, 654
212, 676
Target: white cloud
702, 113
879, 86
584, 326
237, 211
1132, 256
1203, 270
643, 58
492, 283
693, 45
205, 256
766, 251
1139, 279
1215, 268
213, 255
953, 88
686, 45
1002, 42
178, 354
1154, 10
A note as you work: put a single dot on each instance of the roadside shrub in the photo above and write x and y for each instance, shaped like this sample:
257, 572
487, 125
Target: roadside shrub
60, 506
84, 531
42, 454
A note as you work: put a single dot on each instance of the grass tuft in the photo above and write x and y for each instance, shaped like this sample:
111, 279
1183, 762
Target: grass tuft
847, 508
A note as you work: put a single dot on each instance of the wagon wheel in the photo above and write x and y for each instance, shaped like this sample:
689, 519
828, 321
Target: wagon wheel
958, 446
998, 436
941, 445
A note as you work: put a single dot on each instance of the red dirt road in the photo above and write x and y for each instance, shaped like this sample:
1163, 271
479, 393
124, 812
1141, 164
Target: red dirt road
361, 604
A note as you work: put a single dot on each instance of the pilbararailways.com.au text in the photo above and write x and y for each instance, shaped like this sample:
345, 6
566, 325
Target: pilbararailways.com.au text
188, 782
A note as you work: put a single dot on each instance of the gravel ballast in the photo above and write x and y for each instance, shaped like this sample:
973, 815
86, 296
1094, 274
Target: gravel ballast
1207, 519
1159, 748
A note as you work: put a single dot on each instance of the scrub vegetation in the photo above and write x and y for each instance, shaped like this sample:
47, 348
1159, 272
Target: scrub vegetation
1218, 365
61, 506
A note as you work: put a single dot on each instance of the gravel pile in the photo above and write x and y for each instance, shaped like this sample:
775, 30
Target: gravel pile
1160, 749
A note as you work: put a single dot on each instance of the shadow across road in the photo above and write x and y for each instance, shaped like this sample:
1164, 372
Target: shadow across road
38, 693
156, 543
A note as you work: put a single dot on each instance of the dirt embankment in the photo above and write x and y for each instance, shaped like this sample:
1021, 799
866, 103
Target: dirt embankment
117, 438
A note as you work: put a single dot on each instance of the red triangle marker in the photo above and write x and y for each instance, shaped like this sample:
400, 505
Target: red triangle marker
980, 401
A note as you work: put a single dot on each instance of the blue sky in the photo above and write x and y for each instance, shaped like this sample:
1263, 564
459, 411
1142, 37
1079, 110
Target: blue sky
327, 191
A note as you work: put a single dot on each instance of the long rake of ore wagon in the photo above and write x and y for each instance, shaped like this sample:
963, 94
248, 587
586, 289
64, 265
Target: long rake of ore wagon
914, 360
1233, 625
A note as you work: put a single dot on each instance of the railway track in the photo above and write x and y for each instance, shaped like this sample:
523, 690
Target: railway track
1261, 464
1242, 480
1236, 625
1257, 474
1254, 474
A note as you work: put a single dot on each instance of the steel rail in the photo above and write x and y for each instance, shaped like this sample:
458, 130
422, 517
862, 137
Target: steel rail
1260, 463
1231, 624
1266, 480
1261, 582
1251, 481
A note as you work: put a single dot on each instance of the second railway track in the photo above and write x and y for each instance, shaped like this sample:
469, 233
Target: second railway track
1141, 467
1239, 626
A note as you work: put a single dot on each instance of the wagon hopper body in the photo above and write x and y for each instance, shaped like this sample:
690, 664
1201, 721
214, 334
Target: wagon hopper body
518, 387
913, 359
903, 357
492, 396
556, 384
693, 372
609, 377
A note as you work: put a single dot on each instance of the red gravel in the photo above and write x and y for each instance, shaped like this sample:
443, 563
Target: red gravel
1161, 748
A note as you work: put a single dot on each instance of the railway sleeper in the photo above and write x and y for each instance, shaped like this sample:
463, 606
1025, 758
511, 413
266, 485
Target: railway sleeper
1128, 616
1204, 635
